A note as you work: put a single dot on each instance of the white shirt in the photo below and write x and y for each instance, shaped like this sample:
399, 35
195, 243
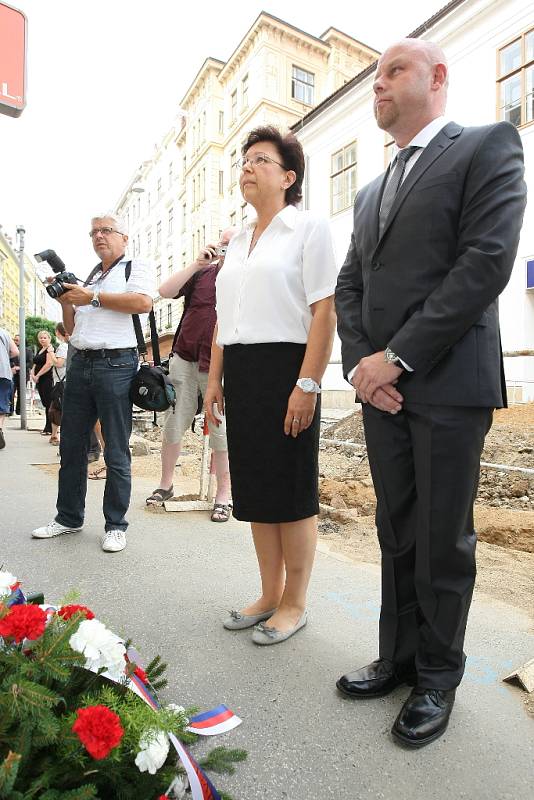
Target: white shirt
266, 296
102, 328
61, 352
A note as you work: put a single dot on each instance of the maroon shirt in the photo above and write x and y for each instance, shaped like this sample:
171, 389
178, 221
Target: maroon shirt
196, 331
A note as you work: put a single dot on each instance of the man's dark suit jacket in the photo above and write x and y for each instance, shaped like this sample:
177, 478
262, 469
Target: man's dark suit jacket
428, 287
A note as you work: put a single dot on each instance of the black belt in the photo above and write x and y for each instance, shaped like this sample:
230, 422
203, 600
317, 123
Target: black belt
121, 351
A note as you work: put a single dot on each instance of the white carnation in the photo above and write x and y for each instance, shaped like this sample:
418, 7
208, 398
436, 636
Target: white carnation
101, 647
6, 582
179, 711
154, 749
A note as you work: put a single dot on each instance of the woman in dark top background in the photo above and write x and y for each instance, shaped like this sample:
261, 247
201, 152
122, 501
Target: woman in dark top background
41, 375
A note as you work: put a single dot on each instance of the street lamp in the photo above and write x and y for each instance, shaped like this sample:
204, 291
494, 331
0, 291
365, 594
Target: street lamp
22, 329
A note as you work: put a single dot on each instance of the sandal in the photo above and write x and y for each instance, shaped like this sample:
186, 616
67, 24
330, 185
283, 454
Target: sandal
99, 474
221, 512
54, 440
159, 496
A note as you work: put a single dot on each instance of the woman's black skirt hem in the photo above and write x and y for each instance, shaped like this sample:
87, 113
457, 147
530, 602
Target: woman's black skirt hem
274, 476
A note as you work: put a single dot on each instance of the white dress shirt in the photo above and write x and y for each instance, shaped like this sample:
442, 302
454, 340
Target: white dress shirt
102, 328
266, 296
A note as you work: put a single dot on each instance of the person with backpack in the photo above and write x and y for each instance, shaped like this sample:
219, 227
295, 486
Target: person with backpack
98, 317
188, 370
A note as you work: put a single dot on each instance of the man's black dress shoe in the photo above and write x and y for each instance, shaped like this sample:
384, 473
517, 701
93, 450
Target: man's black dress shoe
376, 679
424, 716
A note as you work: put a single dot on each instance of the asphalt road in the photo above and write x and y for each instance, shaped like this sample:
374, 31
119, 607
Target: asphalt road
175, 581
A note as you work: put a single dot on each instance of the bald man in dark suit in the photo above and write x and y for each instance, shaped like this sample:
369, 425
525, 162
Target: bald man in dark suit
433, 246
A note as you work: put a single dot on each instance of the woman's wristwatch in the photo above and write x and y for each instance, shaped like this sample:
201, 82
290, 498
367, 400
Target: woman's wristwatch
308, 385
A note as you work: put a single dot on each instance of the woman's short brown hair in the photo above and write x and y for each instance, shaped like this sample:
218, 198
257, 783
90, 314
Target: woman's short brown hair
291, 155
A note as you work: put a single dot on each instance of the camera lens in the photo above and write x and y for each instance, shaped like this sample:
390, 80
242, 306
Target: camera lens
55, 290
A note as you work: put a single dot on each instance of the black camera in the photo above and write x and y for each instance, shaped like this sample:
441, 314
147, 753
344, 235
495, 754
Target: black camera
56, 288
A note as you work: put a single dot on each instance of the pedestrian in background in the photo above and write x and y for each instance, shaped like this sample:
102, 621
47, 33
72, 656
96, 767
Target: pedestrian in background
59, 370
16, 370
41, 375
8, 349
275, 316
188, 370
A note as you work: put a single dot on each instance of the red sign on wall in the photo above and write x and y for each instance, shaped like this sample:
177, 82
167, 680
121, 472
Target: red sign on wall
12, 61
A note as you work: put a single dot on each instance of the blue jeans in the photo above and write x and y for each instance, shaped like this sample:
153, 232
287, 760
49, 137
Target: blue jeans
96, 388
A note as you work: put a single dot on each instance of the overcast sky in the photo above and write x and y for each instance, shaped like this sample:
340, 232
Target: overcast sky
104, 81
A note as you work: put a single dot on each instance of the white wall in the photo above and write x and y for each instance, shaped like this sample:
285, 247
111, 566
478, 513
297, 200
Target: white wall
471, 36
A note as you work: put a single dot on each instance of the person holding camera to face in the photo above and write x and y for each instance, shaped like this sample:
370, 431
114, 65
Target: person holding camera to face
188, 371
98, 318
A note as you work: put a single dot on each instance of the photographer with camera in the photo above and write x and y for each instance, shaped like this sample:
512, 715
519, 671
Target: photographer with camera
188, 371
98, 318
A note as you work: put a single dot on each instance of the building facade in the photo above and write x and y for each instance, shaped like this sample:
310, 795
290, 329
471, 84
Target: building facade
34, 292
490, 49
188, 192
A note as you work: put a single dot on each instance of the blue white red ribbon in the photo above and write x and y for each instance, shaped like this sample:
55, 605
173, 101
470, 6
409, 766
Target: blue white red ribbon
201, 786
210, 723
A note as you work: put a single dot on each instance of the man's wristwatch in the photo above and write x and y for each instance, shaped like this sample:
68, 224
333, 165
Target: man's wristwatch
308, 385
95, 302
392, 358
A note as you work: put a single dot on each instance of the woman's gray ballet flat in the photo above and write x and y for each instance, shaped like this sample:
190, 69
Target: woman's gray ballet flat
263, 634
237, 621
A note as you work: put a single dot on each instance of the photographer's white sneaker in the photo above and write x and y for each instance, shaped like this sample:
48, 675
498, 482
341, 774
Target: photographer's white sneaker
53, 529
113, 541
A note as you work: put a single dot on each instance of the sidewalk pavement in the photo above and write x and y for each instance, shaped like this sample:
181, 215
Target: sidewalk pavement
175, 581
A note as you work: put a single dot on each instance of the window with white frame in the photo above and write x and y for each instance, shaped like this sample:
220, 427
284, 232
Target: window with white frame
233, 106
158, 234
169, 265
170, 175
158, 274
169, 315
343, 178
233, 167
244, 92
159, 188
221, 182
184, 259
243, 214
170, 220
232, 219
515, 81
302, 85
221, 122
203, 185
184, 214
149, 242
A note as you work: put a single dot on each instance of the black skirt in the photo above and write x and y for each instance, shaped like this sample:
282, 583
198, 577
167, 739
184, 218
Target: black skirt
274, 476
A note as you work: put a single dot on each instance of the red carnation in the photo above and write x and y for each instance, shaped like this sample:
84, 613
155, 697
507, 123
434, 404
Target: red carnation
23, 622
141, 674
99, 729
66, 612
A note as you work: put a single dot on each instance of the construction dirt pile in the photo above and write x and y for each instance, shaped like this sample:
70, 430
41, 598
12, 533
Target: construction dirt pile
504, 511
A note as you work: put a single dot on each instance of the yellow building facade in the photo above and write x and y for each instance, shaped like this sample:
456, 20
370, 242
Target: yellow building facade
34, 292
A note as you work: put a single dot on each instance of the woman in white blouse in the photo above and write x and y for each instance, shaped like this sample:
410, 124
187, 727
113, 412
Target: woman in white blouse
275, 326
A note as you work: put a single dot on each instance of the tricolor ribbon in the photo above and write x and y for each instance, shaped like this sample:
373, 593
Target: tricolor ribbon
201, 786
210, 723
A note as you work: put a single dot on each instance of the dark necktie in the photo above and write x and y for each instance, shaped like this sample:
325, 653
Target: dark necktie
393, 184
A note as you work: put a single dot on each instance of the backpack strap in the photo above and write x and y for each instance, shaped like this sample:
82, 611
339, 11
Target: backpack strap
141, 344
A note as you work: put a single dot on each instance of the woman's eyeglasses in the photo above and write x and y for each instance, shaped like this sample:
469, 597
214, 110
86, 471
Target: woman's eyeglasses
257, 160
